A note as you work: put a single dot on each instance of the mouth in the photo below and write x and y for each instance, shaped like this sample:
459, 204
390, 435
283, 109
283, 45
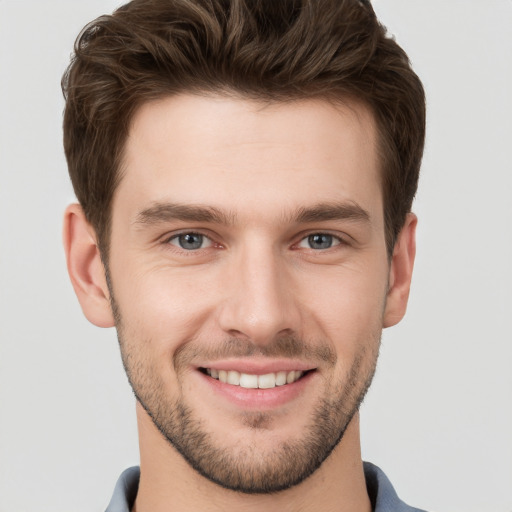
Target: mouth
255, 381
256, 384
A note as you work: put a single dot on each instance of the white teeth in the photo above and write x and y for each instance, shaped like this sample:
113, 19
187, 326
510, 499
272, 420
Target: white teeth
233, 378
246, 380
267, 381
280, 378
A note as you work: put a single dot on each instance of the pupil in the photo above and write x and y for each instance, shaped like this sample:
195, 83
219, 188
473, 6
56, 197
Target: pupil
320, 241
191, 241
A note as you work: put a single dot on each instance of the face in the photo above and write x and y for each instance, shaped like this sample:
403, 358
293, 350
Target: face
249, 276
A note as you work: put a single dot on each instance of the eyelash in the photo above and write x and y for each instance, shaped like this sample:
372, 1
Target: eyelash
176, 236
337, 241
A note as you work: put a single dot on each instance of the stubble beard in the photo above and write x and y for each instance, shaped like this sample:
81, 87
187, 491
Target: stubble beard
247, 469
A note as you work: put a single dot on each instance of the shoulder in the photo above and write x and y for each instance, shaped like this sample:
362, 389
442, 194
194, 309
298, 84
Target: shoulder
125, 491
382, 494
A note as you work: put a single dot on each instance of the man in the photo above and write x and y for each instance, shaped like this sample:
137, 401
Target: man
245, 172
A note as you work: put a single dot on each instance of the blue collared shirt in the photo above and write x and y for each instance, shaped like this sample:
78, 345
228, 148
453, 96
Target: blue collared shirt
382, 495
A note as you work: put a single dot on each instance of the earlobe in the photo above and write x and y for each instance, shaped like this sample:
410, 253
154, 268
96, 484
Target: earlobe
85, 267
400, 274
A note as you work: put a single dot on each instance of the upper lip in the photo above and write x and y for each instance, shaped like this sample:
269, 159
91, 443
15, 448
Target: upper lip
255, 366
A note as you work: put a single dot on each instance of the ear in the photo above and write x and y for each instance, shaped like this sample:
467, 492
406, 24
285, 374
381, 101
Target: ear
400, 273
85, 267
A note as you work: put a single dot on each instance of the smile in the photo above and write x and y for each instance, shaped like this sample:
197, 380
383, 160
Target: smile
252, 381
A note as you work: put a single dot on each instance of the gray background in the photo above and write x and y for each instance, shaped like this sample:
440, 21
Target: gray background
438, 419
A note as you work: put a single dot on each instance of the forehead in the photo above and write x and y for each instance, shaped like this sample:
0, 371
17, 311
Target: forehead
247, 155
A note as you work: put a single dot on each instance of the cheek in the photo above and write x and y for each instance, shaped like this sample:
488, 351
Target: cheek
347, 305
164, 305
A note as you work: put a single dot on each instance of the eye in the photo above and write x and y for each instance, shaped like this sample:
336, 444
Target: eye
190, 241
319, 241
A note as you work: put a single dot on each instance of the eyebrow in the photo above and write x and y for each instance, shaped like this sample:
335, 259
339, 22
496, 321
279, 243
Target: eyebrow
168, 212
332, 211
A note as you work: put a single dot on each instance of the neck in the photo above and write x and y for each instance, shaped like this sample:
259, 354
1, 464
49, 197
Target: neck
168, 482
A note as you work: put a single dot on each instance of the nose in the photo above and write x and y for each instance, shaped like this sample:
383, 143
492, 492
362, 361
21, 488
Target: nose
259, 301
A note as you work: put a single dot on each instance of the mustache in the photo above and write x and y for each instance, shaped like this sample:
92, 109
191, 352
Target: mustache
290, 347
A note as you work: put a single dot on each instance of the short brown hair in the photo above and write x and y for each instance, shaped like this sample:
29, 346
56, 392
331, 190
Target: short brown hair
273, 50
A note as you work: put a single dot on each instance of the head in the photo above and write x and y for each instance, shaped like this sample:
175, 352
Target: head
269, 51
245, 172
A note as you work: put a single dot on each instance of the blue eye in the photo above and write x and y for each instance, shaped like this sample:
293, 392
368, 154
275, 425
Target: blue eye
319, 241
190, 241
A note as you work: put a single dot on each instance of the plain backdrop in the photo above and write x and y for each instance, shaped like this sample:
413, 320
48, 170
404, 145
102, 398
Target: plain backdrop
438, 418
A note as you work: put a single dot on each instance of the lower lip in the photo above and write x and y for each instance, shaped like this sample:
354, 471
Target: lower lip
260, 399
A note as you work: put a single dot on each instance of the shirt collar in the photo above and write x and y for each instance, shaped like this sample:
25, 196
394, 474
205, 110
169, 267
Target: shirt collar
382, 494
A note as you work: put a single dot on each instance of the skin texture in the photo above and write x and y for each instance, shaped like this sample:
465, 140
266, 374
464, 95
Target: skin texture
254, 182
